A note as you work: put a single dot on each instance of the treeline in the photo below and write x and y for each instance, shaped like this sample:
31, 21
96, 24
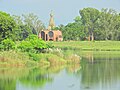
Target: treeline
18, 28
93, 24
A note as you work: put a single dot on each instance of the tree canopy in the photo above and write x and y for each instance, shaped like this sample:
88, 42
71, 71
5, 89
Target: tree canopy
7, 25
93, 24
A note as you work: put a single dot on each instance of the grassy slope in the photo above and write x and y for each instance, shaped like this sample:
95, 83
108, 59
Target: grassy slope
89, 45
22, 59
15, 59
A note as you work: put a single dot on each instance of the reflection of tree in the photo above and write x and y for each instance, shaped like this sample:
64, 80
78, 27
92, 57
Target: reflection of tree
36, 78
8, 78
104, 70
7, 84
55, 69
40, 76
73, 68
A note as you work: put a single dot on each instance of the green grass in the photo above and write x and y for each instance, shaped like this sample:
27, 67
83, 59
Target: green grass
89, 45
15, 59
22, 59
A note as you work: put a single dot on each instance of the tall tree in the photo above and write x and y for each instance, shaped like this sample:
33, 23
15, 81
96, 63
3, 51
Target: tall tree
117, 28
7, 25
108, 18
74, 31
18, 29
22, 31
89, 17
33, 22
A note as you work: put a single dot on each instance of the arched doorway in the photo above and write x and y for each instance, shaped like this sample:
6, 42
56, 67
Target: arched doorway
51, 34
43, 35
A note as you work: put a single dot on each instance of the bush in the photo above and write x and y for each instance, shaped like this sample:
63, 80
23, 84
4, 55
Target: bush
25, 46
1, 46
7, 44
33, 44
35, 57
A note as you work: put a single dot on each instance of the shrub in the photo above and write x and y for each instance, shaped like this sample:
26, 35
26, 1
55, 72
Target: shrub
33, 44
1, 46
25, 46
35, 57
7, 44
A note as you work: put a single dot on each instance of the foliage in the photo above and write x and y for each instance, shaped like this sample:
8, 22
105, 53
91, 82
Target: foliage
22, 31
33, 44
74, 31
93, 24
35, 57
89, 18
7, 44
108, 22
26, 25
7, 25
33, 22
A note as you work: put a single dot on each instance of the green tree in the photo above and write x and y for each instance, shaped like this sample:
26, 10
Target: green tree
89, 18
7, 25
73, 31
108, 22
33, 22
22, 31
117, 27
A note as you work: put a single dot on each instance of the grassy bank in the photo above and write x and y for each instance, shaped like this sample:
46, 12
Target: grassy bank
89, 45
22, 59
15, 59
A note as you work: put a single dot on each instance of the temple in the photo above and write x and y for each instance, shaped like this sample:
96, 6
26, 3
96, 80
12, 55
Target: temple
50, 34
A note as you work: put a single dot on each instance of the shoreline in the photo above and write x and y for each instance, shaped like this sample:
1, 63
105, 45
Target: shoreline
22, 59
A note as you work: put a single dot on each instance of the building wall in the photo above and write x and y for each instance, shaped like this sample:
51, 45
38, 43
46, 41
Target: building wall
51, 35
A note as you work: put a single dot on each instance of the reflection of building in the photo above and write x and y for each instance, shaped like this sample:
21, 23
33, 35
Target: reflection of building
49, 34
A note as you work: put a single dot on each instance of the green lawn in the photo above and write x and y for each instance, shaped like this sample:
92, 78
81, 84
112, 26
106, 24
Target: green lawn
89, 45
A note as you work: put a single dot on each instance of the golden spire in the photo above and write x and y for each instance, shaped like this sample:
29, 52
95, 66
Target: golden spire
51, 22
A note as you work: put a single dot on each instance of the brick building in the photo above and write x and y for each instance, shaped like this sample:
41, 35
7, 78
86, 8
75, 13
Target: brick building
49, 34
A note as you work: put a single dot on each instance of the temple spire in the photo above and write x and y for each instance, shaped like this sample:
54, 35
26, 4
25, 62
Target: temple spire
51, 21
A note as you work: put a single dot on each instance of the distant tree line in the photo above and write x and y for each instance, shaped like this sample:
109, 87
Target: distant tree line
93, 24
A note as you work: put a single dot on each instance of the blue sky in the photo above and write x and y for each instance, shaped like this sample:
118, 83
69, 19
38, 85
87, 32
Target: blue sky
65, 10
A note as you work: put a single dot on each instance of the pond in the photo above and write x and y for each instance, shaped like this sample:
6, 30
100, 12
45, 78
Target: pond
97, 71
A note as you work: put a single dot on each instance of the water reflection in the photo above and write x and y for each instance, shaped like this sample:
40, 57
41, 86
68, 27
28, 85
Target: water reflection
97, 71
101, 71
8, 77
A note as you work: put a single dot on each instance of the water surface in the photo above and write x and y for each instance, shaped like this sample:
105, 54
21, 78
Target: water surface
97, 71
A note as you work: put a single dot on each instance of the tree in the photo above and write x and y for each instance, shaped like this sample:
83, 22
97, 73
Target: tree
22, 31
78, 19
117, 28
7, 26
73, 31
108, 18
33, 22
89, 17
